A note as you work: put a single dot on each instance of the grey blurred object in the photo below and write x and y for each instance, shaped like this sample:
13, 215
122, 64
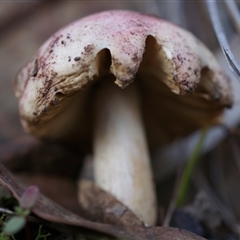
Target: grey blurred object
221, 18
221, 34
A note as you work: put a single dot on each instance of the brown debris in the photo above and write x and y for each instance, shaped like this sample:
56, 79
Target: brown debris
105, 208
51, 211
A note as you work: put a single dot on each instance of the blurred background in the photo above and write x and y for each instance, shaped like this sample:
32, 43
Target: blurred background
25, 25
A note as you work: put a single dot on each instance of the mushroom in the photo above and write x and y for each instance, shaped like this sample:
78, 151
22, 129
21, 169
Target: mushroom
167, 85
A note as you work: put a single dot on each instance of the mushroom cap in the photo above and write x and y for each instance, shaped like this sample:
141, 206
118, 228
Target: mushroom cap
182, 88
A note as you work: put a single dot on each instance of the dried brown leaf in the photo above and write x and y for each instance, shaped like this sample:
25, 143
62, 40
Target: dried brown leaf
104, 208
60, 189
51, 211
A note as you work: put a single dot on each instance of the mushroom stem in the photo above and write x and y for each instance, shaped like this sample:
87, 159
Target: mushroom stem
121, 160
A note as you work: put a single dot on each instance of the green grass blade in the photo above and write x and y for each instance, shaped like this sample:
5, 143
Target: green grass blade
187, 174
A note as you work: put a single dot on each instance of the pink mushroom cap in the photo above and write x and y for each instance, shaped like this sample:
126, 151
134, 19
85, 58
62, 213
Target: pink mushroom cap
181, 85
